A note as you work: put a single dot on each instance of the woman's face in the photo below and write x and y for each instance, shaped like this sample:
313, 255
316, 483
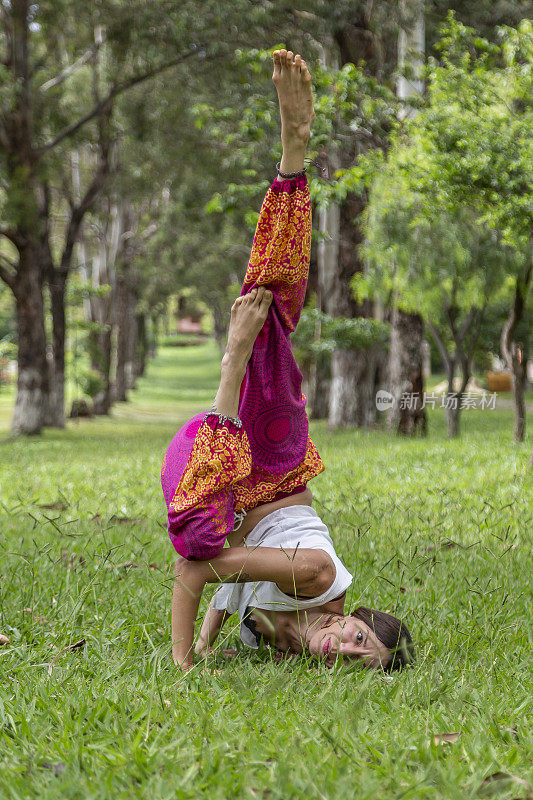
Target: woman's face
351, 638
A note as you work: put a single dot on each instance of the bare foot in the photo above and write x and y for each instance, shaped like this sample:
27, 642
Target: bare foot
293, 83
248, 315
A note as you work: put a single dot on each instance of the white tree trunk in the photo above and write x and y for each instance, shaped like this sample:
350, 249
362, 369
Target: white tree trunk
411, 54
28, 411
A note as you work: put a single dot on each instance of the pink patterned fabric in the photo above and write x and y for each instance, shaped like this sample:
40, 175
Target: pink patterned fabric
200, 519
213, 467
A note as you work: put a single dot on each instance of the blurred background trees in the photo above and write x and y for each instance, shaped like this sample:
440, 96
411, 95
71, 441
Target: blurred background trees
137, 141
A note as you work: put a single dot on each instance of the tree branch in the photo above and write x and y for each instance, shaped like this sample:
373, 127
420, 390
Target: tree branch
477, 329
515, 315
440, 344
68, 71
78, 213
466, 325
104, 104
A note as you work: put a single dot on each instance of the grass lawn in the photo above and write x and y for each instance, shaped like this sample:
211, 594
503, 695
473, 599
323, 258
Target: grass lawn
439, 532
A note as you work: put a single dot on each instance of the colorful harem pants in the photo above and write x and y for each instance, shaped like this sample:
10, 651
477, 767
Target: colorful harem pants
215, 466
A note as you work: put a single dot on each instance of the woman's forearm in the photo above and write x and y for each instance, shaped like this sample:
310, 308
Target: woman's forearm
211, 627
301, 570
189, 582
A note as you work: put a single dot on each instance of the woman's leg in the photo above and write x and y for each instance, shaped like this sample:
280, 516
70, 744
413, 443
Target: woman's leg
248, 315
211, 451
272, 406
214, 466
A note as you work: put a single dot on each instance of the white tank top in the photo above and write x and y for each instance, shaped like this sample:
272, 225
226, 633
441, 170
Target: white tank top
291, 527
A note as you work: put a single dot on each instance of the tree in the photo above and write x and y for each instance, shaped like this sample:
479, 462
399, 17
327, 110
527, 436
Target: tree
467, 164
47, 49
482, 117
406, 378
342, 335
439, 263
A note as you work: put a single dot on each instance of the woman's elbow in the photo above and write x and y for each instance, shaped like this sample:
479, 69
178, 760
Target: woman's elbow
322, 575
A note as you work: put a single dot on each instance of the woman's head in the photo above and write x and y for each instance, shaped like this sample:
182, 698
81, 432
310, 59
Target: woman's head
373, 637
391, 632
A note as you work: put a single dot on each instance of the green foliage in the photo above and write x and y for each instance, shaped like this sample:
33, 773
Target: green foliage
478, 127
7, 316
7, 349
450, 214
434, 531
318, 335
89, 381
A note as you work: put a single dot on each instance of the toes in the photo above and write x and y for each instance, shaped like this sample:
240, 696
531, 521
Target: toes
283, 57
290, 56
259, 295
298, 61
277, 63
266, 300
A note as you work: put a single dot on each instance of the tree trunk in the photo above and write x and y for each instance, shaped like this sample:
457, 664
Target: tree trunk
327, 262
519, 381
132, 339
356, 376
220, 324
453, 416
32, 380
353, 374
406, 373
122, 337
55, 412
411, 52
319, 390
453, 398
406, 414
126, 335
337, 263
154, 335
345, 368
515, 354
101, 362
450, 362
142, 346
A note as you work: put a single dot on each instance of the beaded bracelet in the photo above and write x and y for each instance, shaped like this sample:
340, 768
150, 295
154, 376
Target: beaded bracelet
289, 175
224, 417
238, 519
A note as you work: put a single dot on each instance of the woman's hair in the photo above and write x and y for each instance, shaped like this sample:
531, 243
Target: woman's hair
392, 632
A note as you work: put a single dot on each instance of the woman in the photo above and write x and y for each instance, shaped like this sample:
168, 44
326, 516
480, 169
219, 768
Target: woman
241, 470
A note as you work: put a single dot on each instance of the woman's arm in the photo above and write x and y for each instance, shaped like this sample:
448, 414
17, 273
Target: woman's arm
189, 583
211, 627
296, 571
